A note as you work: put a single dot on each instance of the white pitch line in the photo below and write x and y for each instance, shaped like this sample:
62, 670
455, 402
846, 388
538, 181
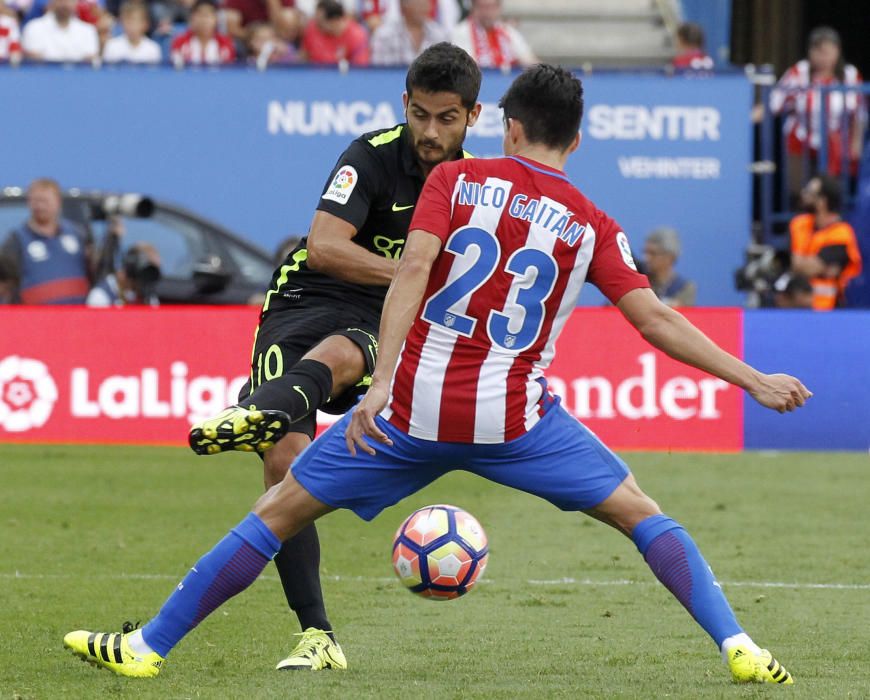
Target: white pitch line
567, 581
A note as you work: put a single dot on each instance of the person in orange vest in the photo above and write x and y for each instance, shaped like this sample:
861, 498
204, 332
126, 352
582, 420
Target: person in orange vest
823, 246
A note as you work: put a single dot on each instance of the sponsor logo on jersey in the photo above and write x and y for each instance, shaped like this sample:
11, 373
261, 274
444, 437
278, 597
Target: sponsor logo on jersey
342, 185
625, 250
27, 394
389, 247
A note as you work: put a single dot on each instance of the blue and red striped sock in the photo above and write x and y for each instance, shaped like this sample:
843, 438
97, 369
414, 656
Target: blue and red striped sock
233, 565
677, 562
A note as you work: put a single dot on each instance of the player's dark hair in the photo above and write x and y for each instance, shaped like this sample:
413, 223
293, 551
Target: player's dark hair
831, 190
548, 101
444, 67
331, 9
821, 35
203, 3
691, 34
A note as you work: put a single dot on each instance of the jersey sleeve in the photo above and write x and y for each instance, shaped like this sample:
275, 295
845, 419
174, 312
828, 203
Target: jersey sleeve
613, 269
433, 211
352, 187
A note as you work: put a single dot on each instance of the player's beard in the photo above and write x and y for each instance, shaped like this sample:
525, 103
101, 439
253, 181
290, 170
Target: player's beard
438, 153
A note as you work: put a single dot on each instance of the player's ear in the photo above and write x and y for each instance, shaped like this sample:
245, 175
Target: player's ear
516, 132
405, 102
575, 144
473, 115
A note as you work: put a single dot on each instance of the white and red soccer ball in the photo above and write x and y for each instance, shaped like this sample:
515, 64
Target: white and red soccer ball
440, 552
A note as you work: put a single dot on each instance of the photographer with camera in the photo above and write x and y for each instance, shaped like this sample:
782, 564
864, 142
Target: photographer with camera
134, 281
823, 246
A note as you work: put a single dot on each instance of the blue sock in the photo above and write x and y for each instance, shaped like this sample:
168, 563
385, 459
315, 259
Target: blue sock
677, 562
233, 565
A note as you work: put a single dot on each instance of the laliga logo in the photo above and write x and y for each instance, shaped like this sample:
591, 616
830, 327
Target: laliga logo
27, 394
344, 178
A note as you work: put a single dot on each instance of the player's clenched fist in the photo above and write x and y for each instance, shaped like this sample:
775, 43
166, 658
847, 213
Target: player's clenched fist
780, 392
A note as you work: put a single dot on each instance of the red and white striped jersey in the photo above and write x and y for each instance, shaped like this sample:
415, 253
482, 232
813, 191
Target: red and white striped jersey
187, 48
10, 39
797, 96
519, 241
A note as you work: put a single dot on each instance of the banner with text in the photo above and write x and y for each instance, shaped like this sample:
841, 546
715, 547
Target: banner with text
252, 150
143, 376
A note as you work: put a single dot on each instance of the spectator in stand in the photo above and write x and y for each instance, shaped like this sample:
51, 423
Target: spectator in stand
281, 14
10, 40
202, 44
133, 283
660, 253
59, 36
691, 55
51, 258
166, 14
266, 48
398, 41
374, 13
492, 42
86, 10
797, 97
132, 46
823, 246
334, 37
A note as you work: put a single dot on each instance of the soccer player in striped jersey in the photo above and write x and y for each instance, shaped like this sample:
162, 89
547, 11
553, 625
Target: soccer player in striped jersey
496, 257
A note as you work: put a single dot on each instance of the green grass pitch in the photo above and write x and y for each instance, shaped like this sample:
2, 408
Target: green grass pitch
93, 536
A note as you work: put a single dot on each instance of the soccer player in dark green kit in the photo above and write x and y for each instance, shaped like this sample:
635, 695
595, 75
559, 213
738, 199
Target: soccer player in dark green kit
316, 342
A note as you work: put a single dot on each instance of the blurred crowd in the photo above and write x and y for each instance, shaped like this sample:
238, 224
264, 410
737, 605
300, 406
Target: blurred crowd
823, 256
256, 32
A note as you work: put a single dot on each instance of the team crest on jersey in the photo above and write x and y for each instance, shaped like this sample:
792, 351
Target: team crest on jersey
510, 341
70, 243
625, 250
449, 320
342, 185
37, 251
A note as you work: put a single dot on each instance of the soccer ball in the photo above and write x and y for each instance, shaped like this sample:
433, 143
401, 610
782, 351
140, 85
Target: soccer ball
440, 552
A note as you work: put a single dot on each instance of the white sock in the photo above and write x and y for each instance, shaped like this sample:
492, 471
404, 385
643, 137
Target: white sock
736, 640
137, 643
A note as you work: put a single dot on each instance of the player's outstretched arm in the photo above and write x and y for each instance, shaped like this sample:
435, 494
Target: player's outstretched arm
673, 334
400, 309
331, 250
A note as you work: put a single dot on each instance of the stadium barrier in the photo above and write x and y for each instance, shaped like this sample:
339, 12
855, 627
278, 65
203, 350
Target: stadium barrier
141, 376
252, 150
775, 207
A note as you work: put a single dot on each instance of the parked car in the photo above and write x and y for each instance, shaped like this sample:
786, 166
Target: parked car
201, 262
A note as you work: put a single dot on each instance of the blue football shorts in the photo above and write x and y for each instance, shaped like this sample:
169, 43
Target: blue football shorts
559, 460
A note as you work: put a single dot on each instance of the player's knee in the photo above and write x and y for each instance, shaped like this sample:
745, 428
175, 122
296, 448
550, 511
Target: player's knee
287, 507
277, 461
626, 507
343, 357
271, 509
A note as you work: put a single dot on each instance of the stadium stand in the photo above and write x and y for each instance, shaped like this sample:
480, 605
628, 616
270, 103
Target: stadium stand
623, 33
